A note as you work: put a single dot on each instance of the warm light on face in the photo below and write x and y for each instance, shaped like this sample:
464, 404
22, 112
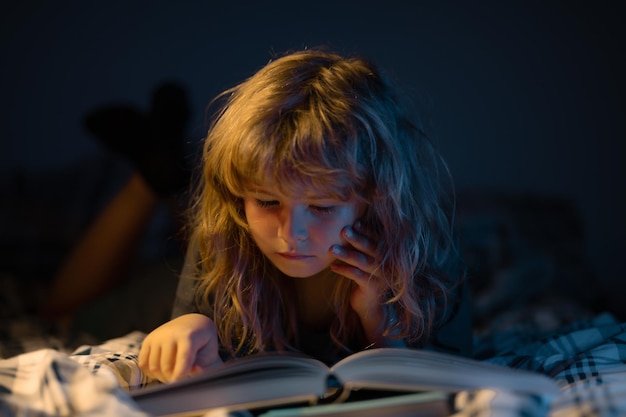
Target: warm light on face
296, 233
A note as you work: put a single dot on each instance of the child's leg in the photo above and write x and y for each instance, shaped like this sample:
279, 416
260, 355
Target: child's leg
101, 258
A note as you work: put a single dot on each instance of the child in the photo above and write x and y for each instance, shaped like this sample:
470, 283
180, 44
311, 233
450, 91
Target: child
319, 226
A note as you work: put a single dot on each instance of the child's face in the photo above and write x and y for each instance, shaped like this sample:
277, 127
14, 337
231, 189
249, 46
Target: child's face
296, 233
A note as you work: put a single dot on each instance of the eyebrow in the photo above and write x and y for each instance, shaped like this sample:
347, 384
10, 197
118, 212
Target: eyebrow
260, 190
307, 196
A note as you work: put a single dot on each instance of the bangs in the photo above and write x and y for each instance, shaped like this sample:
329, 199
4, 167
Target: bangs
301, 164
300, 127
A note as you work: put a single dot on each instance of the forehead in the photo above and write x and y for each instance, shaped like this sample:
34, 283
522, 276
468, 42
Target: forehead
295, 188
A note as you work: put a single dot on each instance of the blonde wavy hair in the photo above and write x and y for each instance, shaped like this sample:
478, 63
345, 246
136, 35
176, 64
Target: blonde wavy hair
316, 120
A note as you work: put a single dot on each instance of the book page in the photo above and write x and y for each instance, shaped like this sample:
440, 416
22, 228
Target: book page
421, 370
246, 382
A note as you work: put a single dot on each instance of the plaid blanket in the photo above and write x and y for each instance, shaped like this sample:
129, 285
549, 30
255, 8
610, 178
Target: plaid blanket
587, 358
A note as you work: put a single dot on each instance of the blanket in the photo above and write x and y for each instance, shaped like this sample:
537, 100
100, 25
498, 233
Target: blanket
587, 358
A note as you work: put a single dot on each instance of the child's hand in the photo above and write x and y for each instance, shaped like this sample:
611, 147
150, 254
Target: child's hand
185, 345
359, 263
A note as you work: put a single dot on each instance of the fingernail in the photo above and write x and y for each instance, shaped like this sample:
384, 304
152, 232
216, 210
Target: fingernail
337, 250
349, 233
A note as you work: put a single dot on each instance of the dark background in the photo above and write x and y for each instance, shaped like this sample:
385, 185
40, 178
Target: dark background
521, 96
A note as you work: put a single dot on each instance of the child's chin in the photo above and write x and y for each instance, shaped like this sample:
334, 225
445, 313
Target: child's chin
301, 272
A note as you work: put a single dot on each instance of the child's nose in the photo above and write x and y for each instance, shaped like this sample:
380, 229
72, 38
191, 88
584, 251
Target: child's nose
293, 224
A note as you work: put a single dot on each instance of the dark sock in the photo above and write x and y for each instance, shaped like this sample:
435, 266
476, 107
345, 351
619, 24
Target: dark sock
154, 143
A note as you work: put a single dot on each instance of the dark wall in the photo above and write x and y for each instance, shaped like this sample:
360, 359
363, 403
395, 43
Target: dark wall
521, 96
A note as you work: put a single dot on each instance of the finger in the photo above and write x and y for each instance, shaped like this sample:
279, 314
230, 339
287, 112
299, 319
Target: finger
154, 360
354, 258
168, 359
185, 357
208, 356
142, 359
359, 241
197, 368
355, 274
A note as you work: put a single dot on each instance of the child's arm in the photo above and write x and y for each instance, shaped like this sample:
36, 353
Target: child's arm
358, 264
185, 345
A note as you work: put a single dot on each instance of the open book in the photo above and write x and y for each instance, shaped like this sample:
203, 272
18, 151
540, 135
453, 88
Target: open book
273, 379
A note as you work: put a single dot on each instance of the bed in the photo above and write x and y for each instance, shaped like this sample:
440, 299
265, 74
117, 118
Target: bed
533, 297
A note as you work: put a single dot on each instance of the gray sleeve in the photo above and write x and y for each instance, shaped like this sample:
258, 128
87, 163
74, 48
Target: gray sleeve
185, 300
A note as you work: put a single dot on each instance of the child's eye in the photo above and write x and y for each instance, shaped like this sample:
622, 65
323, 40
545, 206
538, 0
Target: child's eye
266, 203
323, 209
